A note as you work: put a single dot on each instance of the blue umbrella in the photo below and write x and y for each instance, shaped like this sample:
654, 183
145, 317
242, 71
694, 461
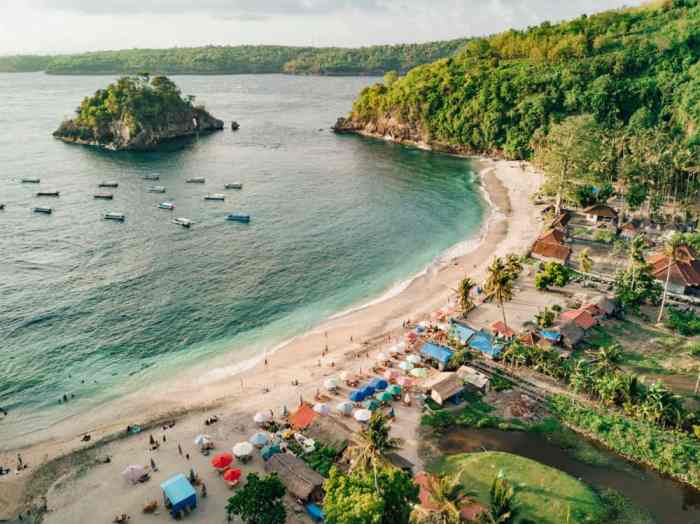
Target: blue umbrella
357, 395
368, 391
379, 384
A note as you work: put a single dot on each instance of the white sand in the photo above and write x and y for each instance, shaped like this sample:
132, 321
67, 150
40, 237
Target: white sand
96, 494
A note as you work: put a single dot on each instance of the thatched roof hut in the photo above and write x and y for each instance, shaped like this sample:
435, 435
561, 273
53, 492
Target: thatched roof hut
300, 480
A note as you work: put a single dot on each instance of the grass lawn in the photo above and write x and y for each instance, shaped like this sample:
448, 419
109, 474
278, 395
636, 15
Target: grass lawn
544, 495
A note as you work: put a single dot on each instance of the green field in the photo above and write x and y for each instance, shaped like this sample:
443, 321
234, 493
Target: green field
544, 495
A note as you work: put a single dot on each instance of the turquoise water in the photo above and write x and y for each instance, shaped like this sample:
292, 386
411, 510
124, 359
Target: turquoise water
94, 308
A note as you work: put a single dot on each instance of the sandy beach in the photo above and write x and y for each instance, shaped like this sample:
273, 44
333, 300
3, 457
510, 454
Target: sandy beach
79, 490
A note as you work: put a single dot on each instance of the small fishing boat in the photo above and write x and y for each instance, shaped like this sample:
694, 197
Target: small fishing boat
166, 205
2, 207
42, 209
109, 215
215, 196
196, 180
184, 222
151, 177
104, 196
155, 189
235, 185
47, 194
30, 180
238, 217
108, 184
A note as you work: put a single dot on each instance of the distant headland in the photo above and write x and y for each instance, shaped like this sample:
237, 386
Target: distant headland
136, 113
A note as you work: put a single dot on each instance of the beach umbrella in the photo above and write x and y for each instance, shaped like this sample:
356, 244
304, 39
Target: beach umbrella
394, 350
391, 374
133, 473
405, 382
242, 449
368, 391
401, 346
322, 409
345, 375
411, 336
344, 407
259, 439
362, 415
420, 328
406, 365
330, 384
384, 396
379, 384
413, 359
419, 372
201, 440
262, 417
357, 396
232, 475
371, 404
394, 390
222, 460
382, 357
270, 450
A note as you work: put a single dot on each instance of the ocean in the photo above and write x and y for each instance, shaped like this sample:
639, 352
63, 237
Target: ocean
95, 308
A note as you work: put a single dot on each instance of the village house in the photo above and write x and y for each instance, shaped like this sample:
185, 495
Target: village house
300, 480
571, 334
550, 247
444, 387
683, 273
473, 379
600, 213
582, 317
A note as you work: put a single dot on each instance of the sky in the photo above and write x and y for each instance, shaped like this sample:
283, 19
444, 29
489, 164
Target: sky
67, 26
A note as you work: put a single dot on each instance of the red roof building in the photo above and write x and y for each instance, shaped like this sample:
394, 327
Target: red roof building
580, 317
302, 417
498, 328
599, 212
684, 272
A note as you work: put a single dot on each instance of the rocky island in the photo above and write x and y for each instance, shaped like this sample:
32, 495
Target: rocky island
137, 113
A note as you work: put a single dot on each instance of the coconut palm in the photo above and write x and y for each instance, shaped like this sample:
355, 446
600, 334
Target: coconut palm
464, 291
499, 284
373, 445
514, 265
608, 357
585, 261
447, 496
671, 251
635, 255
502, 508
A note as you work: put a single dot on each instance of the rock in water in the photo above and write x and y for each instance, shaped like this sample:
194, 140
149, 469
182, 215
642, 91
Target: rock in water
137, 113
235, 126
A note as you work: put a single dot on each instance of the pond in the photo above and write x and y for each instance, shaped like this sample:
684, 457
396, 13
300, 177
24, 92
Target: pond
665, 499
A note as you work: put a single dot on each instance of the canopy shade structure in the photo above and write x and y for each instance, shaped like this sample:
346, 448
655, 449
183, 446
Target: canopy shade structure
462, 332
371, 405
344, 407
379, 384
179, 493
368, 391
394, 389
384, 396
322, 409
259, 439
222, 460
357, 395
262, 417
268, 451
432, 351
243, 449
133, 473
362, 415
330, 384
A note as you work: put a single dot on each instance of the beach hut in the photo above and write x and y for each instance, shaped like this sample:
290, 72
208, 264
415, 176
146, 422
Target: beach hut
461, 331
344, 408
357, 395
134, 473
262, 417
301, 481
444, 387
379, 384
259, 439
436, 353
322, 409
222, 461
362, 415
419, 372
330, 384
474, 379
178, 495
243, 450
483, 342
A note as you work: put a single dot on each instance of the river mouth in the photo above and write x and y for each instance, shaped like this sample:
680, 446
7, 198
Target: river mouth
666, 500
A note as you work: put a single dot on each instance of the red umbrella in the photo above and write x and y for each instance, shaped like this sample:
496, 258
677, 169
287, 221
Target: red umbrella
222, 460
232, 475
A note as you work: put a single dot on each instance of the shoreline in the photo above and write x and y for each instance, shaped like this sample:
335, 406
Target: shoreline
511, 224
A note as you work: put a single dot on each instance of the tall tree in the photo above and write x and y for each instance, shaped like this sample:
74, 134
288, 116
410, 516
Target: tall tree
671, 247
447, 495
374, 442
259, 501
499, 284
464, 292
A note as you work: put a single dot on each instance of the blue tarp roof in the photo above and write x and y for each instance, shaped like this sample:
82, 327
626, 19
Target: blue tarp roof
551, 335
483, 342
463, 333
439, 353
179, 492
315, 512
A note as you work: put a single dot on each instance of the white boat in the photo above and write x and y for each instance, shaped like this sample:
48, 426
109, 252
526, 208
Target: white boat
42, 209
47, 194
155, 189
109, 215
166, 205
196, 180
238, 217
30, 180
151, 177
235, 185
215, 196
184, 222
108, 184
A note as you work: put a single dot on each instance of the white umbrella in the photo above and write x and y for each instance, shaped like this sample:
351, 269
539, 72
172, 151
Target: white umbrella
413, 359
201, 440
363, 415
344, 407
419, 372
406, 366
322, 409
345, 375
330, 384
394, 350
401, 346
382, 357
242, 449
262, 417
259, 439
133, 473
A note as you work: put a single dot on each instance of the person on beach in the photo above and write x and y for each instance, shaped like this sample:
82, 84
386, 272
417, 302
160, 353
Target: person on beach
19, 461
179, 448
153, 465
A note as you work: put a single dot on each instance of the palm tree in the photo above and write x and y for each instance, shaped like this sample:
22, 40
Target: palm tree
447, 495
635, 254
502, 502
608, 357
499, 284
514, 265
374, 444
671, 251
465, 301
585, 261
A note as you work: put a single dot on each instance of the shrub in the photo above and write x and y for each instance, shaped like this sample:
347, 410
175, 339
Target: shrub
687, 323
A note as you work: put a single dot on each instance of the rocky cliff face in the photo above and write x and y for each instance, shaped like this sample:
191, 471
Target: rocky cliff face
127, 134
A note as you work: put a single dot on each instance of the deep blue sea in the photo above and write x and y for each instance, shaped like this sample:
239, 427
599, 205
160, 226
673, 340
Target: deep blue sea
336, 221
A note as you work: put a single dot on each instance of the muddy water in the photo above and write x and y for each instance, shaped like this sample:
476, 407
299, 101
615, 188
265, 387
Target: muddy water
669, 502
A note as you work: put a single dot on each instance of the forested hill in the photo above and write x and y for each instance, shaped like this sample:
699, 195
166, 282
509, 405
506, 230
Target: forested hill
627, 73
374, 60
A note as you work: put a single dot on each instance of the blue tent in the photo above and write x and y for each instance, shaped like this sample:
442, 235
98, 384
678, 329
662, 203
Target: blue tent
315, 512
179, 493
435, 352
483, 342
368, 391
554, 336
357, 395
462, 332
379, 384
